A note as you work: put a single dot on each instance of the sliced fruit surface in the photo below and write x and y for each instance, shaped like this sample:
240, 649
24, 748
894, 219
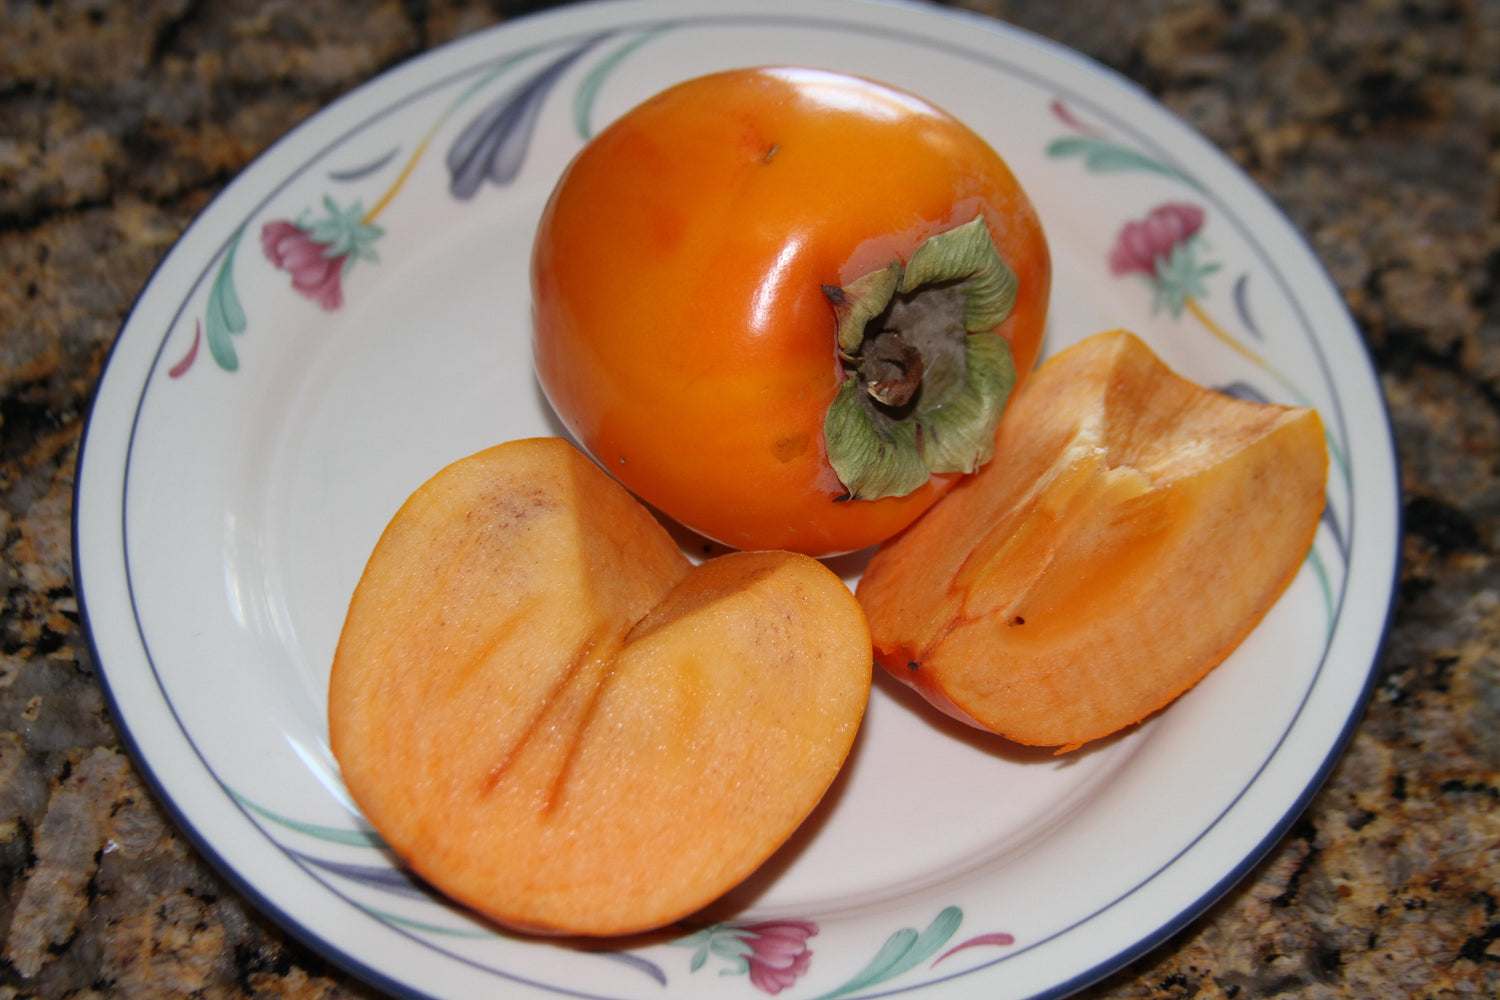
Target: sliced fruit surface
1132, 530
559, 721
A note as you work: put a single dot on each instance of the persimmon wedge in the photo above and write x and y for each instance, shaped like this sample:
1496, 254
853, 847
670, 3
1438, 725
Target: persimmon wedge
559, 721
1131, 531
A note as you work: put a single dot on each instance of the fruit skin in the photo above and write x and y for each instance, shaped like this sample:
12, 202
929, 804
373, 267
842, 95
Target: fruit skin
681, 328
557, 720
1131, 531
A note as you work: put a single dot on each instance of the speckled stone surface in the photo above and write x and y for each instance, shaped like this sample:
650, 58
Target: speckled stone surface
1374, 124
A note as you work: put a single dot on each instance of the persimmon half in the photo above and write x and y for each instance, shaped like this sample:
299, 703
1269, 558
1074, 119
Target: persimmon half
786, 306
1131, 531
557, 720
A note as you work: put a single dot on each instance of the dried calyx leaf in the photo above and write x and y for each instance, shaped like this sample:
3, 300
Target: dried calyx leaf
926, 378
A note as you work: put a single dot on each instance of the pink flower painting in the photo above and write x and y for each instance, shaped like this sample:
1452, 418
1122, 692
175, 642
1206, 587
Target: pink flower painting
1143, 244
318, 251
314, 274
1162, 248
778, 953
773, 954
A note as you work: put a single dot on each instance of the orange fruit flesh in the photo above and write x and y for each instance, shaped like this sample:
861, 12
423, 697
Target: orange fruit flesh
558, 721
1131, 530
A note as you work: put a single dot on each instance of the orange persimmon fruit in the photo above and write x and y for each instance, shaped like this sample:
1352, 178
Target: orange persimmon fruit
555, 718
1131, 531
785, 306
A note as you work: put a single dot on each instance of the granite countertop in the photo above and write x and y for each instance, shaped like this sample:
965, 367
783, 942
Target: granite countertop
1374, 124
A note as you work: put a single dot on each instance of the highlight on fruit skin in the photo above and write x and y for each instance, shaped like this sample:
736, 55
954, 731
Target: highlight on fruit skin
554, 718
1132, 530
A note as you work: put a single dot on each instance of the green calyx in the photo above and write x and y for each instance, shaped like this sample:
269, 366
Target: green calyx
925, 378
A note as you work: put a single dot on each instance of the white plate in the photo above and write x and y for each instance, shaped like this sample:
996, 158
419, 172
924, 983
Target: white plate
249, 441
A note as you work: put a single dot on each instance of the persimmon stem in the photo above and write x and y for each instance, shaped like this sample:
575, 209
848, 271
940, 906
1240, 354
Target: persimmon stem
893, 369
925, 376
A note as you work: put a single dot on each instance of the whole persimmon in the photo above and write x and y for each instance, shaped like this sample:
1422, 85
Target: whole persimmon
787, 306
